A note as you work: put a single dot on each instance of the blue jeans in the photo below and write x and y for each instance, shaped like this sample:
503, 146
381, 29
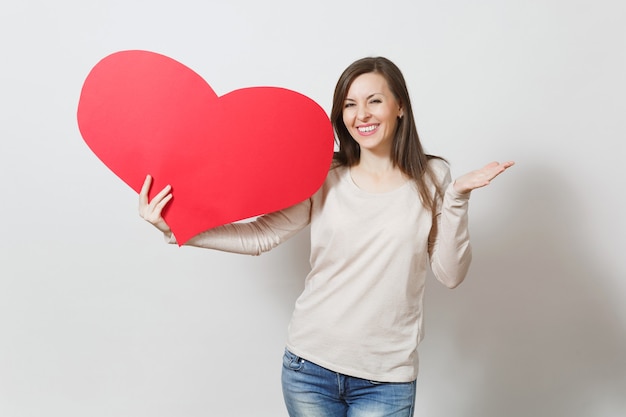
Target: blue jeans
313, 391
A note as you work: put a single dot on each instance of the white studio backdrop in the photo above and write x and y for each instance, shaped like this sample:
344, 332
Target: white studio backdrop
98, 317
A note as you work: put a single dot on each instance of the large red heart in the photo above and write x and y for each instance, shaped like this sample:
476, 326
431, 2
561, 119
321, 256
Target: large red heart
246, 153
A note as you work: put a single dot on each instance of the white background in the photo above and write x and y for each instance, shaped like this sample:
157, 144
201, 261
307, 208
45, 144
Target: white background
98, 317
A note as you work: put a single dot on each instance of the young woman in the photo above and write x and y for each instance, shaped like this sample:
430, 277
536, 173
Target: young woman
386, 212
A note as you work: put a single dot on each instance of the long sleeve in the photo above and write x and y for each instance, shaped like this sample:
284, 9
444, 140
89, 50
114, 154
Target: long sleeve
257, 236
449, 242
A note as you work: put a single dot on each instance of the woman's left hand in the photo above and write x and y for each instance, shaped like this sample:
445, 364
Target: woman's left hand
480, 177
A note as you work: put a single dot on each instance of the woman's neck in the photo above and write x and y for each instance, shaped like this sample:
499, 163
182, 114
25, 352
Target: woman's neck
375, 163
377, 174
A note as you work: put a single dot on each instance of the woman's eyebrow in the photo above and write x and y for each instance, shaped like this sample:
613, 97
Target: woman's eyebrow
368, 97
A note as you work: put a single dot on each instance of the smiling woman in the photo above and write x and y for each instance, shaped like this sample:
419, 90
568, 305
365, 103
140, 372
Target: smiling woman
371, 113
385, 213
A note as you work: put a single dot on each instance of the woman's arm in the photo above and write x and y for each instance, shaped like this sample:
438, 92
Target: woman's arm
449, 242
257, 236
252, 238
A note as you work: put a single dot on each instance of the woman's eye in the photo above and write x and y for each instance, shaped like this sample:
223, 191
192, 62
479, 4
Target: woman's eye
348, 105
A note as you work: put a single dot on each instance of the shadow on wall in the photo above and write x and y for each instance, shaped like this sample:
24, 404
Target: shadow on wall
534, 323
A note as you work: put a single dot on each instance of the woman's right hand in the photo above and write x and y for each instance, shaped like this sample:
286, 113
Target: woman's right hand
151, 211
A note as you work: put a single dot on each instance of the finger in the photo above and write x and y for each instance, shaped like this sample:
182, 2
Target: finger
154, 214
500, 168
156, 200
159, 207
503, 165
143, 194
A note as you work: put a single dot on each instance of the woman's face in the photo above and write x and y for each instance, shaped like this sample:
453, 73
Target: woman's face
371, 112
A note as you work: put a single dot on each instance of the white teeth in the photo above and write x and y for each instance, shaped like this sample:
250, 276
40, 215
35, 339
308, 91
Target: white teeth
367, 129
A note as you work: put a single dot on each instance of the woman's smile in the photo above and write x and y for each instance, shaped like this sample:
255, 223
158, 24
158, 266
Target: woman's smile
368, 129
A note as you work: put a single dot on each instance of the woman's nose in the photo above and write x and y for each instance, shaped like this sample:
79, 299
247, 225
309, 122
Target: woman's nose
363, 113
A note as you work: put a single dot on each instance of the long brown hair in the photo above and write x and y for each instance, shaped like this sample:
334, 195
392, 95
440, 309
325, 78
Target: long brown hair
407, 152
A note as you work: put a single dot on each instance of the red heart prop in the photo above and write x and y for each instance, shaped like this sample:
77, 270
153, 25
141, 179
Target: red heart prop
249, 152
